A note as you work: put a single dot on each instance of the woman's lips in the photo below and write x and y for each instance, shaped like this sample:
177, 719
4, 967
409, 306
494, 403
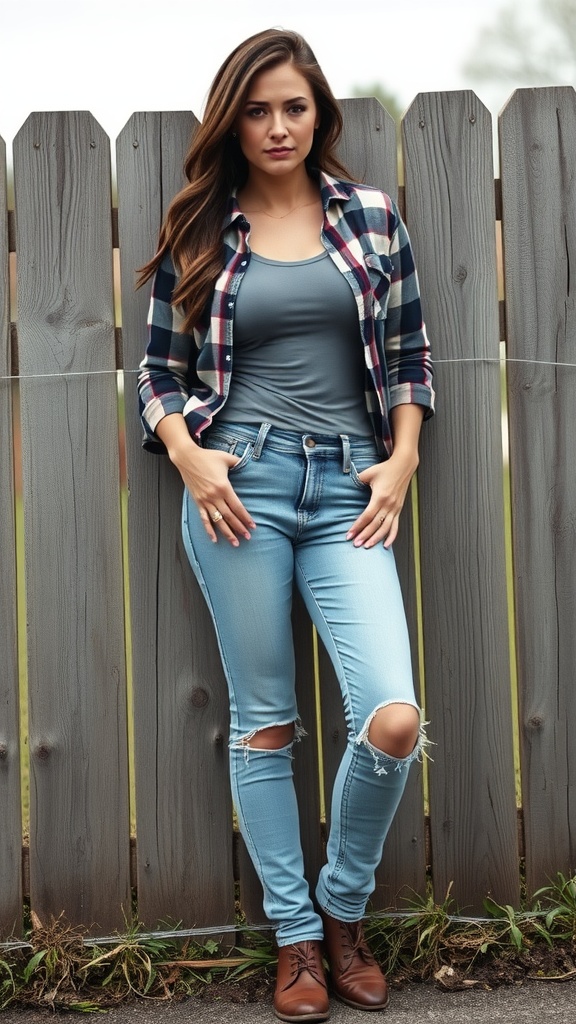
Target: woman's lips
279, 152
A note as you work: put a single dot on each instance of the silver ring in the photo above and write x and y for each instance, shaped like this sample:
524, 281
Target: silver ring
216, 516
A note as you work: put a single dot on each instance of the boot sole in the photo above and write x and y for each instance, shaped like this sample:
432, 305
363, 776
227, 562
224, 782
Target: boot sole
290, 1019
360, 1006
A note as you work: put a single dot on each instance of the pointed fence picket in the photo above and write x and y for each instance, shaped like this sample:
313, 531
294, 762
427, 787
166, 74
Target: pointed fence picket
79, 844
180, 707
538, 158
450, 213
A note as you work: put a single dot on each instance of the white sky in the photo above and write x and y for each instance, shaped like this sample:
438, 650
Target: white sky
113, 57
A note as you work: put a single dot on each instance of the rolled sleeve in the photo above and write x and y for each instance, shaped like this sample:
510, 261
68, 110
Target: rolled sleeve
163, 380
407, 347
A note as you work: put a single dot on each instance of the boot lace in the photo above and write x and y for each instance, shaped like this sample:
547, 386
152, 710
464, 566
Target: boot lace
303, 957
354, 945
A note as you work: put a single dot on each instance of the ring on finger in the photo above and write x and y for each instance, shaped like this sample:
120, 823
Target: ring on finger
216, 516
382, 518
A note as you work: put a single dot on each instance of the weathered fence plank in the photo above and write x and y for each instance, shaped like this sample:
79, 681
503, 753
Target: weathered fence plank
369, 150
538, 161
183, 803
79, 850
368, 147
451, 216
10, 800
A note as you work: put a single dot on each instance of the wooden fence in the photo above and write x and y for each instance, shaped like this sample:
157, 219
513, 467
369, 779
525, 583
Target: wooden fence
62, 355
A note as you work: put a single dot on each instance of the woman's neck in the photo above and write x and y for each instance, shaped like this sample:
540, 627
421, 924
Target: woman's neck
277, 196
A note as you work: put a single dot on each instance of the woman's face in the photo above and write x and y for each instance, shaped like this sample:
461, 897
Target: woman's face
276, 125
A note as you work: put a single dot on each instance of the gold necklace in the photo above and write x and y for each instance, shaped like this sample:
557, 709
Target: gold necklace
282, 216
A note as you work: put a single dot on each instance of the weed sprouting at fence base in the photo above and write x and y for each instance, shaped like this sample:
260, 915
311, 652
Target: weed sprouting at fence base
429, 937
430, 941
58, 967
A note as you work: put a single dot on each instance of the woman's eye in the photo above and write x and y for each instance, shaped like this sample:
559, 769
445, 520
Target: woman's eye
255, 112
297, 109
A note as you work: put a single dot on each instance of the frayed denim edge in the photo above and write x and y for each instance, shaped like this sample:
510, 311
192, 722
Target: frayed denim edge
243, 743
384, 761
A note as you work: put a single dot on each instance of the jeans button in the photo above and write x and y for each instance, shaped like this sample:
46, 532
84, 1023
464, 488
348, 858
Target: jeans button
310, 442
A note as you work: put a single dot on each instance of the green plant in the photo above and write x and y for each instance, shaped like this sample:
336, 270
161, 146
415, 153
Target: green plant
559, 910
418, 942
506, 915
7, 983
256, 956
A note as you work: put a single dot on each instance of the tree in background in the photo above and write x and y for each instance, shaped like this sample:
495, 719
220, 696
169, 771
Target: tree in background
525, 50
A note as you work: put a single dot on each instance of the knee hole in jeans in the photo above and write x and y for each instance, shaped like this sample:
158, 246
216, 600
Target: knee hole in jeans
394, 729
275, 737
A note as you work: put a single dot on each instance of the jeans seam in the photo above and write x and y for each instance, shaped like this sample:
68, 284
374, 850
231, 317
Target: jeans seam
343, 678
254, 855
344, 825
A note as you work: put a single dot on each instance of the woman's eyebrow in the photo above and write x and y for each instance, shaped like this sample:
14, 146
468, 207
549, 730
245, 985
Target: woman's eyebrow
264, 103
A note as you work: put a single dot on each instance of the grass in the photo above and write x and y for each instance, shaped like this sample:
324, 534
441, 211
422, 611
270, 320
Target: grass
59, 968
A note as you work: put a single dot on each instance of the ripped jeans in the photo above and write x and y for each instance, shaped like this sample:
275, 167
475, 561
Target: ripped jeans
304, 493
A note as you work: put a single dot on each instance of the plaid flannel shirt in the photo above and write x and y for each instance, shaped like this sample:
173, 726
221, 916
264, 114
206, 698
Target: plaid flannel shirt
368, 242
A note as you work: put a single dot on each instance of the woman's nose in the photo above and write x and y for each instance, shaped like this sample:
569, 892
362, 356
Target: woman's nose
278, 127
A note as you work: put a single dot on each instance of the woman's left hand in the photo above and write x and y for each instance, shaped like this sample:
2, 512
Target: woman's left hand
389, 482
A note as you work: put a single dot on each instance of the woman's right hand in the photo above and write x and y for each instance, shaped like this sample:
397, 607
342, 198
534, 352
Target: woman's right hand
205, 475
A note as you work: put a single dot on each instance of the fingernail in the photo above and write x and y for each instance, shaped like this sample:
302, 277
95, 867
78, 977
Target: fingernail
357, 543
349, 535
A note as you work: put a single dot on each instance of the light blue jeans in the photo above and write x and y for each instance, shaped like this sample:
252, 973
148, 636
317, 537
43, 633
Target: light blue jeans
304, 493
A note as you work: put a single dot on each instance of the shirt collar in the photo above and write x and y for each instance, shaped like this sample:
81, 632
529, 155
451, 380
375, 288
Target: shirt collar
331, 190
233, 211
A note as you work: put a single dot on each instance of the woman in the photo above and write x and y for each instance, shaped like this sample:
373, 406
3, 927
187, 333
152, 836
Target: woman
287, 375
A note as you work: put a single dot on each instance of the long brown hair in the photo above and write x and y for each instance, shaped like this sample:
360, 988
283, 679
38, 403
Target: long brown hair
215, 164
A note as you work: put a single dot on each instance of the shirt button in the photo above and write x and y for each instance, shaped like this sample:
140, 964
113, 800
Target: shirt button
310, 442
244, 263
230, 305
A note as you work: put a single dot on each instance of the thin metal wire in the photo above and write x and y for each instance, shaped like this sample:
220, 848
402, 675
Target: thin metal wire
481, 360
190, 933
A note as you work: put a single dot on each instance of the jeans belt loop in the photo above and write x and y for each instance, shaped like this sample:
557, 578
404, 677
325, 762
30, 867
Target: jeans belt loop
345, 453
262, 433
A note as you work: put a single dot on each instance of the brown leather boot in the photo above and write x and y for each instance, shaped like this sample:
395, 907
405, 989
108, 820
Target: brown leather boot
356, 978
301, 992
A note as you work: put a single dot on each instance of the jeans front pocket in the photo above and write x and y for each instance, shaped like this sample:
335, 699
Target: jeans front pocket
222, 441
362, 456
354, 471
245, 457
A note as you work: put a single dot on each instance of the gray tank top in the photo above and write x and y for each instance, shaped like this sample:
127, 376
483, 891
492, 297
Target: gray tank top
298, 358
